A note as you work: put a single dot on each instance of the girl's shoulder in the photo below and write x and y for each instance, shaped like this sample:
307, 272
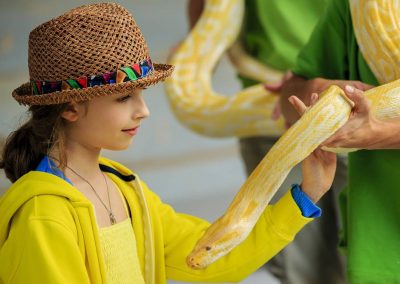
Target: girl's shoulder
37, 183
39, 199
47, 209
41, 193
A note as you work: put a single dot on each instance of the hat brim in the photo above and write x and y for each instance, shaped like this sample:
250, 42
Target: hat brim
23, 94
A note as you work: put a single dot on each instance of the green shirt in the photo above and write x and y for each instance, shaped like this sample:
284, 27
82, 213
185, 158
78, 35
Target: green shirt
275, 31
332, 51
372, 203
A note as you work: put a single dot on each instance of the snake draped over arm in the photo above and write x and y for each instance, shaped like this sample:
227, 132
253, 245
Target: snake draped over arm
248, 113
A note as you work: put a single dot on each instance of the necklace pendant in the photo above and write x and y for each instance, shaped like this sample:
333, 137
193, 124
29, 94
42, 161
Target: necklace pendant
112, 218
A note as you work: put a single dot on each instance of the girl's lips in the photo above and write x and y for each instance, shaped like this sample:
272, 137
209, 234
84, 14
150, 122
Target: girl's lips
131, 131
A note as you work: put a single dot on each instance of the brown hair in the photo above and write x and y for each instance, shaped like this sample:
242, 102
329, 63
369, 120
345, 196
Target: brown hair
25, 147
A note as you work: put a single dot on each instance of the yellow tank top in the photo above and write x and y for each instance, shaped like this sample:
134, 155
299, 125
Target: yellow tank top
118, 244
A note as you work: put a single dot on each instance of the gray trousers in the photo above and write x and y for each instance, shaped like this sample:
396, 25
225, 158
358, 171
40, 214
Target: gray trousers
313, 256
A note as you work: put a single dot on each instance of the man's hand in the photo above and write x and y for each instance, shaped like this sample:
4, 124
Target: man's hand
276, 89
362, 128
303, 88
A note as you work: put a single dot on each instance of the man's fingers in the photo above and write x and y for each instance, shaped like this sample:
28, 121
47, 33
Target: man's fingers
314, 99
277, 87
362, 86
273, 87
298, 105
329, 142
276, 113
353, 92
357, 97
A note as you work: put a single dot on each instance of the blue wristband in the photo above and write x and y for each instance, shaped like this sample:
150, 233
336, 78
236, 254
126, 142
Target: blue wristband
306, 206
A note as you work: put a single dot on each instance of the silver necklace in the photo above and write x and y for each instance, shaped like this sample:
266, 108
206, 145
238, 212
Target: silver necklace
111, 215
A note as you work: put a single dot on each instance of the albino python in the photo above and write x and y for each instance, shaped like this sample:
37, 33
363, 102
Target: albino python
248, 112
189, 90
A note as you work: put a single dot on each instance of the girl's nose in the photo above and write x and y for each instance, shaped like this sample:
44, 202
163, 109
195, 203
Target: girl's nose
140, 108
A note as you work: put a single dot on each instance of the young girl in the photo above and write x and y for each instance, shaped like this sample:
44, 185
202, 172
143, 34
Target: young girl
72, 216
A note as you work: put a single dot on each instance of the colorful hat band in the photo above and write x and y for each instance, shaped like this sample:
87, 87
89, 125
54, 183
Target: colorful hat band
123, 74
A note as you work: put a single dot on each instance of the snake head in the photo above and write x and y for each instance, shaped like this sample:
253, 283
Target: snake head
216, 242
198, 258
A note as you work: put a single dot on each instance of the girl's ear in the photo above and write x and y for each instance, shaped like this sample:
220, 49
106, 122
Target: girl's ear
71, 113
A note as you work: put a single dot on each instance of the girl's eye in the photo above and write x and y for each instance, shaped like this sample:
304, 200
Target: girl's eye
123, 99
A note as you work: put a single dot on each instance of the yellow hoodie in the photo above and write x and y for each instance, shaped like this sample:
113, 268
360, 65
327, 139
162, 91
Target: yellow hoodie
48, 234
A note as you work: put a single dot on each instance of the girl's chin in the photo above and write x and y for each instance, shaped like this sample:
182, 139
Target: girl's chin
119, 147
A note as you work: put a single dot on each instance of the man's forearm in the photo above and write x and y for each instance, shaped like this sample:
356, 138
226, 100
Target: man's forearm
387, 134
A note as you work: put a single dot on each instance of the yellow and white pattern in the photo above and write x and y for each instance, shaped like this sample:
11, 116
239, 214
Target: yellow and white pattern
248, 112
376, 25
189, 89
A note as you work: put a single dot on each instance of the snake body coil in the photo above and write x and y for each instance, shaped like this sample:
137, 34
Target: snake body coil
189, 90
248, 112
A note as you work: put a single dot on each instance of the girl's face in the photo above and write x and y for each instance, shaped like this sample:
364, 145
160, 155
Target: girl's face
108, 122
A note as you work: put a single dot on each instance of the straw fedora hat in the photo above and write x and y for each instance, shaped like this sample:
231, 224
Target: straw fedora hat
90, 51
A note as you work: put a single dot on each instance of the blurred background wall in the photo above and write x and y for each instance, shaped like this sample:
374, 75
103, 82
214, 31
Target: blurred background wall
195, 174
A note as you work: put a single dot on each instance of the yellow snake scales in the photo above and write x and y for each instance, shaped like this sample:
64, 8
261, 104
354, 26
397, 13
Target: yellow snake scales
248, 113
